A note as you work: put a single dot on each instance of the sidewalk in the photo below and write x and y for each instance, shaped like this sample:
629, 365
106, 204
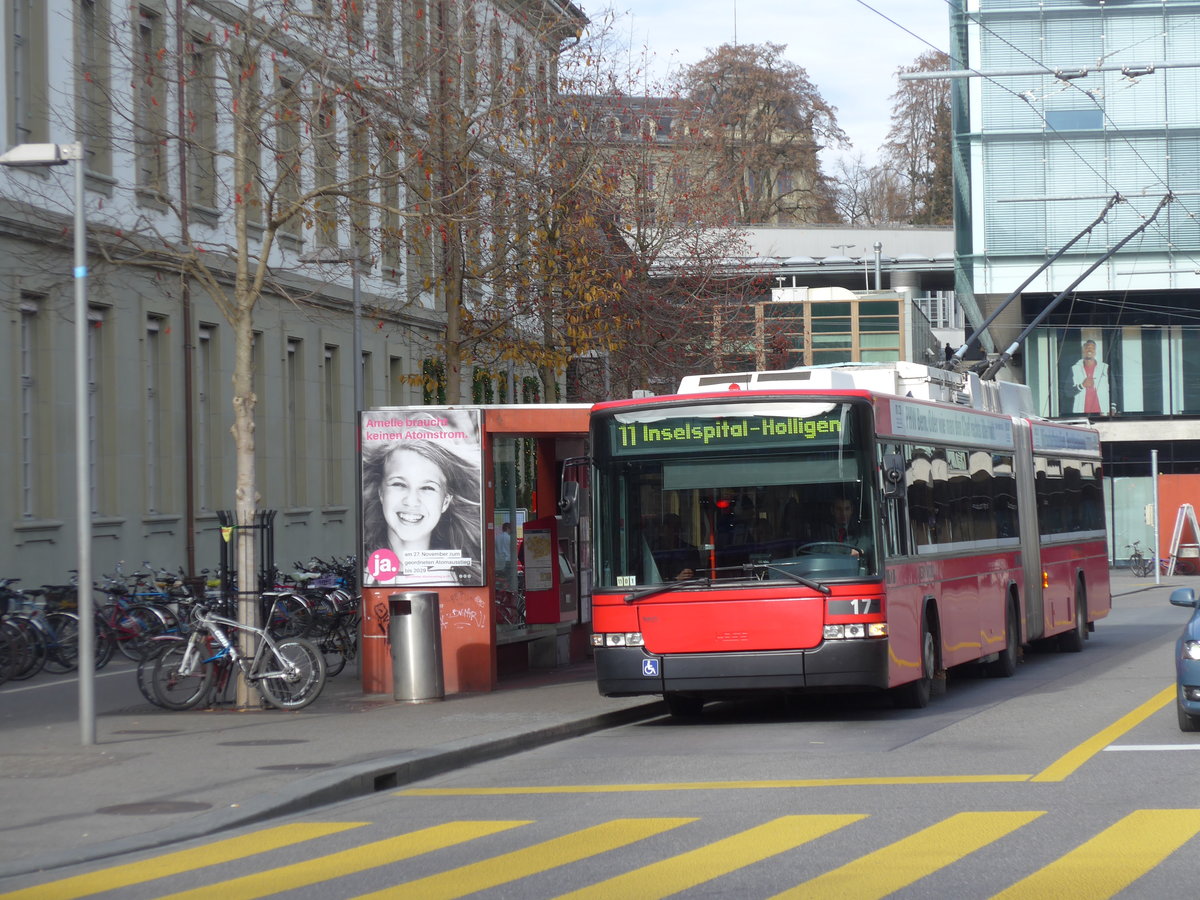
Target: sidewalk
155, 776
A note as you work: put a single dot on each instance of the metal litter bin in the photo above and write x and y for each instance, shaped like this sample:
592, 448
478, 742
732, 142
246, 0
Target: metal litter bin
415, 633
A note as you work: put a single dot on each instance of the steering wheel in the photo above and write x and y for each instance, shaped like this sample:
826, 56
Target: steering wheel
826, 547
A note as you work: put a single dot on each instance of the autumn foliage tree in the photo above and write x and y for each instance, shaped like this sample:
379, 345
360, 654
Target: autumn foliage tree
918, 147
764, 124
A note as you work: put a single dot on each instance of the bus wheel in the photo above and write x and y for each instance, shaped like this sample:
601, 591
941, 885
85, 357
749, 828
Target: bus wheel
684, 706
1072, 641
915, 694
1005, 666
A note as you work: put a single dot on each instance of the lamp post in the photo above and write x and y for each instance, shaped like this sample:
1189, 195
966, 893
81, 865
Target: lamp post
32, 156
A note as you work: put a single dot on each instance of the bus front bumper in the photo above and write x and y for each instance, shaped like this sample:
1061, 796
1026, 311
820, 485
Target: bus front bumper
841, 665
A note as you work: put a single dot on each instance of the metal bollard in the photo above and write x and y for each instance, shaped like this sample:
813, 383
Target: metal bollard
415, 635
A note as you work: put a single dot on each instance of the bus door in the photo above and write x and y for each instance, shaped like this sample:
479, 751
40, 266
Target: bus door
1027, 518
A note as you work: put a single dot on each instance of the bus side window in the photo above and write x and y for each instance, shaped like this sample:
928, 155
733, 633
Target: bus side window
918, 479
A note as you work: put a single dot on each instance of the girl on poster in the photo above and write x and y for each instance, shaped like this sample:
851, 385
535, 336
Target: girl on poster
421, 514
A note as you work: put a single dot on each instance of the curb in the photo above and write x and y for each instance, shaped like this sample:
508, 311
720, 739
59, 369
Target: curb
344, 783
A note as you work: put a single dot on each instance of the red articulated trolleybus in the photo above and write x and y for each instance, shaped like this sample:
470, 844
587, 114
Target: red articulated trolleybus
849, 527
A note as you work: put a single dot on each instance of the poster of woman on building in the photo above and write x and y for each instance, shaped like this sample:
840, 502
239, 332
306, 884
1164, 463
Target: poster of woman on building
422, 500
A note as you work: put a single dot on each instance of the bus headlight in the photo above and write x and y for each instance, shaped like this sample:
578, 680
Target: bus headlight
855, 630
618, 639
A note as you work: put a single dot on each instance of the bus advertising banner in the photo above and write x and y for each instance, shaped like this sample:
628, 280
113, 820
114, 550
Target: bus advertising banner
422, 501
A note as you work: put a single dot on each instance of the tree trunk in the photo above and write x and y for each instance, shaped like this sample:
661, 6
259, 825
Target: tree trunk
246, 494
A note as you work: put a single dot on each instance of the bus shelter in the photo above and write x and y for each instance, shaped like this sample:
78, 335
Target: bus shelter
486, 507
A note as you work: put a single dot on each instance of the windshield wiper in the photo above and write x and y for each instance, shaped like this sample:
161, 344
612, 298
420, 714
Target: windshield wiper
799, 579
747, 569
666, 588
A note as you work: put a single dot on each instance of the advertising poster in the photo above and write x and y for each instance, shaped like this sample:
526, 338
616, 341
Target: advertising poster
422, 500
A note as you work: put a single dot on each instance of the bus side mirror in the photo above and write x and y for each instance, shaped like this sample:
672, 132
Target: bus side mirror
893, 474
568, 505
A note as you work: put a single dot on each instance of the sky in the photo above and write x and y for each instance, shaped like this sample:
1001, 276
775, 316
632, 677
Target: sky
850, 52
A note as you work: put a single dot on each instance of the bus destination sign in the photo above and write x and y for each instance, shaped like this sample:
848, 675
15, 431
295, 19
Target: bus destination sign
722, 433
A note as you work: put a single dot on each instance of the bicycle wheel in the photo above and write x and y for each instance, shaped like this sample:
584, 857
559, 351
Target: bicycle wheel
62, 641
289, 617
1140, 566
171, 688
135, 629
300, 677
338, 649
27, 648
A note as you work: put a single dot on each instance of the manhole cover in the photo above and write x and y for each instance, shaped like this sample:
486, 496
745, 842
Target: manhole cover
263, 743
149, 731
295, 767
155, 808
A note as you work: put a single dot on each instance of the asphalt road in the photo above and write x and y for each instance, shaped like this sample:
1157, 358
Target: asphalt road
1070, 779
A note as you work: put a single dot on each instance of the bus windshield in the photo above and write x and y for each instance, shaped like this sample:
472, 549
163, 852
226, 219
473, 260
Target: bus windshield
734, 490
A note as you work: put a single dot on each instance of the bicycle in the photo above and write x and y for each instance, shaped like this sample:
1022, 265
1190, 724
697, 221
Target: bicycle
288, 674
1139, 565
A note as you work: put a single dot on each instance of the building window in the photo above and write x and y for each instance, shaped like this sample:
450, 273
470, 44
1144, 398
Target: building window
332, 428
27, 426
418, 233
207, 419
25, 27
155, 376
93, 83
1074, 119
325, 149
201, 122
415, 42
96, 362
385, 28
470, 57
391, 237
148, 103
397, 382
289, 157
293, 430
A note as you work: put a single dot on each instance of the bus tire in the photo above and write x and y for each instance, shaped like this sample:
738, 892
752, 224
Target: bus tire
1005, 665
1072, 641
684, 706
916, 694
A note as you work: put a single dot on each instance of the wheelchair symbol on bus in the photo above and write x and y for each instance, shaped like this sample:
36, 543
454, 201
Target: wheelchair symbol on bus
650, 668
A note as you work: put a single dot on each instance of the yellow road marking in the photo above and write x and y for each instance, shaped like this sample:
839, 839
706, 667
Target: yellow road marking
714, 785
678, 873
1113, 859
346, 862
900, 864
508, 867
182, 861
1066, 764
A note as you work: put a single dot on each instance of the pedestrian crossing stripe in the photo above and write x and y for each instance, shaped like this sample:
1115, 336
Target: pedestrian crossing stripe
347, 862
900, 864
1113, 859
181, 861
678, 873
509, 867
1101, 867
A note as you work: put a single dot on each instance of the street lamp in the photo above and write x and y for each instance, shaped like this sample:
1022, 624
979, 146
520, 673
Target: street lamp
32, 156
842, 247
